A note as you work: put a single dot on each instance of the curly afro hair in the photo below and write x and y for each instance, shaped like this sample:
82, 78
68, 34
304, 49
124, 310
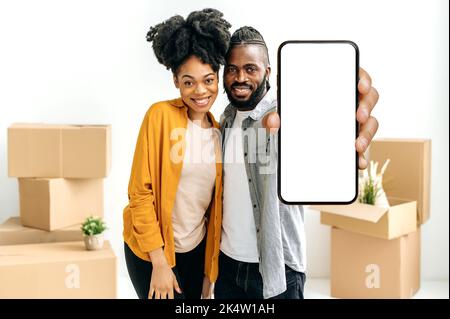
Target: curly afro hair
204, 34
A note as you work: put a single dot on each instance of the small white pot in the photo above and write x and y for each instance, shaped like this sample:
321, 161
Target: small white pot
94, 242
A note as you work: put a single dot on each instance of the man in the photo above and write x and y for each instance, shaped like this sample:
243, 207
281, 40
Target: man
263, 241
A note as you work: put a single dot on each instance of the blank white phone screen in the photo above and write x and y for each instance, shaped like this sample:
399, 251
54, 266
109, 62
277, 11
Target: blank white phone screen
317, 106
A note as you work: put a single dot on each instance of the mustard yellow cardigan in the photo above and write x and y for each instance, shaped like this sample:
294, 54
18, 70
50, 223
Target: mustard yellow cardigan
147, 219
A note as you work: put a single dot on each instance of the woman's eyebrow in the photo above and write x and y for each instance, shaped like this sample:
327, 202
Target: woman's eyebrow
191, 77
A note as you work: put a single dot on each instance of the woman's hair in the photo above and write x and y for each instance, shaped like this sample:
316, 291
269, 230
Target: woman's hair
204, 34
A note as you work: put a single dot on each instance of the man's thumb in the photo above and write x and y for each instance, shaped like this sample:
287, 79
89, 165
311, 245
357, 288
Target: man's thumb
271, 122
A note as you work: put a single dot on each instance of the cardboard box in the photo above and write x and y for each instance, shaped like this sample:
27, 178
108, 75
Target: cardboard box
71, 151
386, 223
55, 203
57, 270
408, 175
13, 233
368, 267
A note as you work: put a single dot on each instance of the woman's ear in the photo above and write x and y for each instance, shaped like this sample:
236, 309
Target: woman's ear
175, 81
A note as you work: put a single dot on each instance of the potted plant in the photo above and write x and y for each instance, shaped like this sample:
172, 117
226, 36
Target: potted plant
93, 228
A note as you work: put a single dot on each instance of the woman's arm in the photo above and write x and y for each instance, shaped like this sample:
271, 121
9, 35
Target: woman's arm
146, 228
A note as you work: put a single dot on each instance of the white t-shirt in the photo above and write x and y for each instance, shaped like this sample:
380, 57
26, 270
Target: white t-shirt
195, 188
238, 224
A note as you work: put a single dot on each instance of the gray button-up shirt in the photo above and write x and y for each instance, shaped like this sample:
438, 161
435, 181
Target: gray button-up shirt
280, 228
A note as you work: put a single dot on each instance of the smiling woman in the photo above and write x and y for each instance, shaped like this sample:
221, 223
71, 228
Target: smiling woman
172, 222
198, 87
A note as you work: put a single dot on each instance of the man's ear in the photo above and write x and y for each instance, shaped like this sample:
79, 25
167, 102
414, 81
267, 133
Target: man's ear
175, 81
268, 71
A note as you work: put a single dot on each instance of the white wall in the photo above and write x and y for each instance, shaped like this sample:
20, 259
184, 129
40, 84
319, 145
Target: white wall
88, 62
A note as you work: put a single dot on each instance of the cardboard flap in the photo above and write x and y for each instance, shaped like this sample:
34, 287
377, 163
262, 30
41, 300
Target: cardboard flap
58, 126
40, 126
12, 223
409, 171
51, 252
356, 210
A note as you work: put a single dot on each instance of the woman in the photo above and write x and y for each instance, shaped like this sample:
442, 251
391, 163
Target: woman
172, 223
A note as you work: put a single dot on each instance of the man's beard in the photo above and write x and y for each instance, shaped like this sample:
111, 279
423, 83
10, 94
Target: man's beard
254, 99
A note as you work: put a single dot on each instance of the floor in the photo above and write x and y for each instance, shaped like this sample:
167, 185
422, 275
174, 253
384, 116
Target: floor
318, 288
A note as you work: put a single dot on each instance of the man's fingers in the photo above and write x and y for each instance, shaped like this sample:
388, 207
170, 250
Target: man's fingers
365, 82
362, 162
366, 105
157, 295
366, 134
271, 122
171, 294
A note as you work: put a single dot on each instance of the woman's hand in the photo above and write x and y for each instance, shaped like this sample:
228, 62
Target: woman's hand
207, 288
163, 280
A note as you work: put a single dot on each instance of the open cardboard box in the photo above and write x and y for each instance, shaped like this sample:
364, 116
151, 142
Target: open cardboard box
409, 172
406, 182
386, 223
375, 251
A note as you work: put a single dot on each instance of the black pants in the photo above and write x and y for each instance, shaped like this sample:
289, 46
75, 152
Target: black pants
240, 280
189, 271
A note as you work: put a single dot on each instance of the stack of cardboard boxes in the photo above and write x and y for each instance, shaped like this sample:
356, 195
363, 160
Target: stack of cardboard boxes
60, 170
375, 252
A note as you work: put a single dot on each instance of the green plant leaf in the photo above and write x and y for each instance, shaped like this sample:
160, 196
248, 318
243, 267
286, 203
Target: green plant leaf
369, 193
93, 226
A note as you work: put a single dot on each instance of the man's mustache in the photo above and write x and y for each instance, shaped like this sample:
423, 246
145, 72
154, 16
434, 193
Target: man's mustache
242, 85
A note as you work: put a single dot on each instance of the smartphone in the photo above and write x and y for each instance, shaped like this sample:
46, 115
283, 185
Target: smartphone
317, 102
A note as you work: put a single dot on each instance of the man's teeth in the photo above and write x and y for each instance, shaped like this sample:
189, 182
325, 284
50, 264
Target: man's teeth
241, 90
